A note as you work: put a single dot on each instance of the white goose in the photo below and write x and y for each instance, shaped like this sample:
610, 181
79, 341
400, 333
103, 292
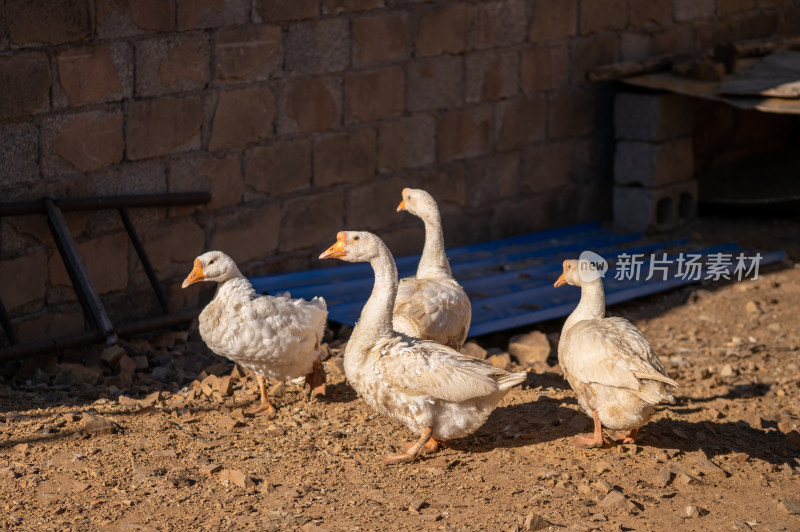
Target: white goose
434, 390
616, 375
275, 337
431, 305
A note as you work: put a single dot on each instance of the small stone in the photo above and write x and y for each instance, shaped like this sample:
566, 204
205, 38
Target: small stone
534, 521
741, 526
740, 458
727, 371
224, 385
601, 468
151, 399
228, 423
21, 447
790, 507
685, 479
210, 469
272, 430
751, 307
124, 400
662, 477
237, 478
584, 489
416, 505
693, 512
97, 425
277, 390
603, 486
238, 414
500, 361
529, 348
471, 349
112, 354
707, 467
615, 499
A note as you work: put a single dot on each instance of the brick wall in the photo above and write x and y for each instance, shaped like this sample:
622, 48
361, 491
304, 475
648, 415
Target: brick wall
304, 117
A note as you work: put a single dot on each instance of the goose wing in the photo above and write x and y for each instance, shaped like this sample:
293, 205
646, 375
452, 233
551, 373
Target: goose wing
612, 351
418, 367
433, 309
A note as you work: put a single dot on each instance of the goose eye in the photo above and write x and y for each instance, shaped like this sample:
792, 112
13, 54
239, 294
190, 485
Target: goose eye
356, 237
211, 262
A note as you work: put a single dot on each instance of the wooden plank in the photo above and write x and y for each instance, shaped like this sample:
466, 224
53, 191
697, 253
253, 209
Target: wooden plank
776, 75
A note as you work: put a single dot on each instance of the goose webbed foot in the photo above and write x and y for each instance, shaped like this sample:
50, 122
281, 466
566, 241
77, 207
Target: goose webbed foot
593, 440
316, 380
413, 452
265, 407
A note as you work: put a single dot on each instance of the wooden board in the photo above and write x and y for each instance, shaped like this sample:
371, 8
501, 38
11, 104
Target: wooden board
776, 75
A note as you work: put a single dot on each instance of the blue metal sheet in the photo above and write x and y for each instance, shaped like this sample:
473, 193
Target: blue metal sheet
509, 281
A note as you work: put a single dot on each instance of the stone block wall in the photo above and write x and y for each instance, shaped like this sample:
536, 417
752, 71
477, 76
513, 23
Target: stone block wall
304, 117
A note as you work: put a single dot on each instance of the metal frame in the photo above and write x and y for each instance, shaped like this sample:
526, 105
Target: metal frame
99, 325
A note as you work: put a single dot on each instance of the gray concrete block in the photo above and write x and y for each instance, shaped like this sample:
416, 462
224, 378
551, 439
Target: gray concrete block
653, 117
655, 209
653, 164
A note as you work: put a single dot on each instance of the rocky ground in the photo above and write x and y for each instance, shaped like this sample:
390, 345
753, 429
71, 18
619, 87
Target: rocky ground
153, 436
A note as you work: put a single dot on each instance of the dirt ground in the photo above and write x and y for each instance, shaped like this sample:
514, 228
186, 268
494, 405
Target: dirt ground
146, 440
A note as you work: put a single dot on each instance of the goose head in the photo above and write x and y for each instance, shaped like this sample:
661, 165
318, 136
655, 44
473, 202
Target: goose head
212, 266
353, 246
577, 273
419, 203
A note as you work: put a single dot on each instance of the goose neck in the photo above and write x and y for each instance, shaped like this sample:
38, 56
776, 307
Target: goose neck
592, 305
433, 263
376, 316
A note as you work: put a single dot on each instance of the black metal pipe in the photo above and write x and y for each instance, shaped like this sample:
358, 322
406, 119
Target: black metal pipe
148, 268
81, 281
7, 327
44, 347
159, 322
171, 199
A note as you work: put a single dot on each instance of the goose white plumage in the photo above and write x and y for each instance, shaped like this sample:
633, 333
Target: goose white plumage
431, 305
612, 368
275, 337
433, 389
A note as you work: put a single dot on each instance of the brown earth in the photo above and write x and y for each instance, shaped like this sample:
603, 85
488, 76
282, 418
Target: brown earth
118, 444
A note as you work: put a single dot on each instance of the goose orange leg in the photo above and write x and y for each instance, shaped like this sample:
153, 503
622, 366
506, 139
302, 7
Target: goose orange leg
413, 452
430, 447
589, 441
265, 408
316, 379
622, 438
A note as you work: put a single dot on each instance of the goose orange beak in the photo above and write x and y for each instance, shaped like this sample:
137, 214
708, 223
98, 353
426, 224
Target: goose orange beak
337, 250
402, 206
562, 280
196, 275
